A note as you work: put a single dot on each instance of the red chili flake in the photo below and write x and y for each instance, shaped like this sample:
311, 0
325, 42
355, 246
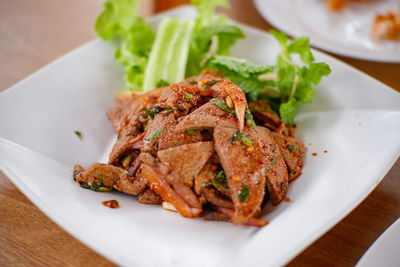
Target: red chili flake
214, 167
325, 151
113, 204
314, 154
287, 199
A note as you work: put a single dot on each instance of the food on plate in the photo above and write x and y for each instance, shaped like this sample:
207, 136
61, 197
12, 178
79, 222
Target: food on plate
339, 4
216, 137
387, 27
197, 149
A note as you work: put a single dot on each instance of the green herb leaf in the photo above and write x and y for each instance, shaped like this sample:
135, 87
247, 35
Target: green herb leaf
235, 136
273, 161
166, 111
150, 114
155, 110
243, 193
206, 85
267, 169
191, 131
79, 134
242, 137
154, 135
101, 179
249, 119
120, 21
162, 83
118, 136
222, 105
188, 96
76, 173
219, 181
293, 148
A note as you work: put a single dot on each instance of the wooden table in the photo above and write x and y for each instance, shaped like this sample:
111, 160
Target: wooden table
34, 33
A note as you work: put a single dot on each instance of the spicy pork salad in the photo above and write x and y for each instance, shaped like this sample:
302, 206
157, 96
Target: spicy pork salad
198, 131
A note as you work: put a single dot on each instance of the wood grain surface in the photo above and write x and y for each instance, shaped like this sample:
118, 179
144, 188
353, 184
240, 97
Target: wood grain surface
35, 33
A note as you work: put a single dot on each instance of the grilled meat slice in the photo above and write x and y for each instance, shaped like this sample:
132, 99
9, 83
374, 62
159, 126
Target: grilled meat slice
244, 166
100, 175
292, 151
187, 160
276, 170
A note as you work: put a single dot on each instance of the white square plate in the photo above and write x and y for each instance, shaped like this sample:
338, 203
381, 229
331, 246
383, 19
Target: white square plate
354, 117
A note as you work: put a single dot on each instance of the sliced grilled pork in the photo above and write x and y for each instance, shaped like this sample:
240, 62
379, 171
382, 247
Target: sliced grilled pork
292, 151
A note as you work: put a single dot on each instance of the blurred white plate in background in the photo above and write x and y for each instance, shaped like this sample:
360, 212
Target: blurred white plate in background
346, 32
385, 250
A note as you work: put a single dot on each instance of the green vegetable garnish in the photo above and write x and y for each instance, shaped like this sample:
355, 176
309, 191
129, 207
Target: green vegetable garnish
191, 131
242, 137
79, 134
155, 110
169, 53
273, 161
249, 119
95, 187
149, 113
222, 105
166, 111
211, 35
76, 173
293, 148
101, 179
154, 135
206, 85
243, 193
267, 169
162, 83
119, 136
119, 21
188, 96
219, 181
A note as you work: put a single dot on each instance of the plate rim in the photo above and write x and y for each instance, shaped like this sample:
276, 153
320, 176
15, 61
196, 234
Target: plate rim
341, 51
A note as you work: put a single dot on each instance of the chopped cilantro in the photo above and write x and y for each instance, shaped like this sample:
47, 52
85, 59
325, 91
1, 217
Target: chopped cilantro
150, 114
273, 161
249, 119
243, 193
222, 105
119, 136
242, 137
166, 111
76, 173
188, 96
219, 181
79, 134
293, 148
191, 131
267, 169
206, 85
154, 135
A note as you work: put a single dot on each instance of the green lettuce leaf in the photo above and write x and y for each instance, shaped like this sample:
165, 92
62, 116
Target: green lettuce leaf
120, 22
211, 36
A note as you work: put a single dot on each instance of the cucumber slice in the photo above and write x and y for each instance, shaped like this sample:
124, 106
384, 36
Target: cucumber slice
168, 57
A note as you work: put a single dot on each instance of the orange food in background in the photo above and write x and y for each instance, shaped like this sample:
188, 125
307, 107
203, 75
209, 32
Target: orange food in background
387, 27
339, 4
